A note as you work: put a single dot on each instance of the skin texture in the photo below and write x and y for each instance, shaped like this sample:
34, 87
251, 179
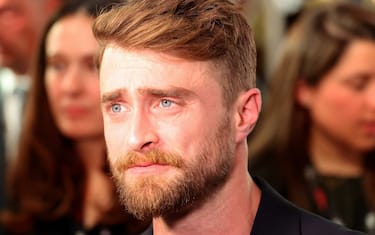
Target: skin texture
172, 144
71, 78
342, 107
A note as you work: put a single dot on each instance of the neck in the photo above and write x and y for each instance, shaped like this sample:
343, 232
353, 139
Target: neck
98, 190
333, 158
230, 211
91, 152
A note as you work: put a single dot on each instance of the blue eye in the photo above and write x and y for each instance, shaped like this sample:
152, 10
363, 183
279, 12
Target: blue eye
166, 103
116, 108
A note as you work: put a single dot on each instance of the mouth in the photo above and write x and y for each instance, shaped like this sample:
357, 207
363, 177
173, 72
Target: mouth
147, 167
370, 129
145, 164
368, 124
75, 112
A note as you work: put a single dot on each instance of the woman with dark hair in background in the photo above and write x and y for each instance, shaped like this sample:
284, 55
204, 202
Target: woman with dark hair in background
60, 183
315, 141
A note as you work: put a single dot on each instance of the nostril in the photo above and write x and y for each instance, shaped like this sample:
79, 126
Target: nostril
147, 145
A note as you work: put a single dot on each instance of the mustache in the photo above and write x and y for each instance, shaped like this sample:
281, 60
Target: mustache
157, 157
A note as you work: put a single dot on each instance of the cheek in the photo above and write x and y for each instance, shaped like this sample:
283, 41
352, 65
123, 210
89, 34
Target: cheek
335, 107
176, 138
185, 134
52, 90
115, 136
336, 102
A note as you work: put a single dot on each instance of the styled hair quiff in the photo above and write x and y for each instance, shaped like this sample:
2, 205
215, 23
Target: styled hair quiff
198, 30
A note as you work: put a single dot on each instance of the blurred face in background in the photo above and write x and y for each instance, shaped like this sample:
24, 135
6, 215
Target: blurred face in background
71, 78
342, 105
21, 24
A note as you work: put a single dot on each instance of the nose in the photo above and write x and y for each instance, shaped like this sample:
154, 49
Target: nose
142, 131
72, 81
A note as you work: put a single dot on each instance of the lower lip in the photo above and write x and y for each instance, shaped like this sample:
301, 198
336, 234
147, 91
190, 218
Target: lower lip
370, 130
149, 169
368, 127
75, 113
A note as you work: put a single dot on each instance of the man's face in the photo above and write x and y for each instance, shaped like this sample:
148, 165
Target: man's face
170, 140
21, 23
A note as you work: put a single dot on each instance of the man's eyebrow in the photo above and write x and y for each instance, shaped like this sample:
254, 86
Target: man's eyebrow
169, 92
111, 96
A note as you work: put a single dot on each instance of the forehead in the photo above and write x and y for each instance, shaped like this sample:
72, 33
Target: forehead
143, 67
360, 49
18, 3
72, 32
146, 57
4, 3
359, 56
26, 8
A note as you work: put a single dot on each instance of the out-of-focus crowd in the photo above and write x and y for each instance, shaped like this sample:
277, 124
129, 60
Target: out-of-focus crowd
314, 141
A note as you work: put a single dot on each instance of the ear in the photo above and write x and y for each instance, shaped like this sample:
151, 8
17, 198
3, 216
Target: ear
304, 94
248, 106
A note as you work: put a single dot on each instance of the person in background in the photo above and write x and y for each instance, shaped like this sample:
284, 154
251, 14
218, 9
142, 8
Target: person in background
315, 142
178, 93
60, 182
21, 25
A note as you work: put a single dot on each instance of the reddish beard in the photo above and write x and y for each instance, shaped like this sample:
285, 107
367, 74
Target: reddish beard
156, 157
143, 195
185, 186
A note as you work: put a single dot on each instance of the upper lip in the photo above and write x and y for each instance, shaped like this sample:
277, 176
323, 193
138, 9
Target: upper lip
369, 124
74, 109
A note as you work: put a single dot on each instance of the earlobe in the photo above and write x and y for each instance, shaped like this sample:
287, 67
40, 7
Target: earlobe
247, 112
303, 94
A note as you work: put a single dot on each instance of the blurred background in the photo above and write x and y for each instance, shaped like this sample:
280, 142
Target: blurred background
270, 20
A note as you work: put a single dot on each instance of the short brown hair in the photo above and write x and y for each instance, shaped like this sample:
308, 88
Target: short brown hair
198, 30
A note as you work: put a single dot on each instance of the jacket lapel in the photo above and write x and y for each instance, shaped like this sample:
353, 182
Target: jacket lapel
275, 215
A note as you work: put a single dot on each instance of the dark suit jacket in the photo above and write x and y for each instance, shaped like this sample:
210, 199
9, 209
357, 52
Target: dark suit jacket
277, 216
